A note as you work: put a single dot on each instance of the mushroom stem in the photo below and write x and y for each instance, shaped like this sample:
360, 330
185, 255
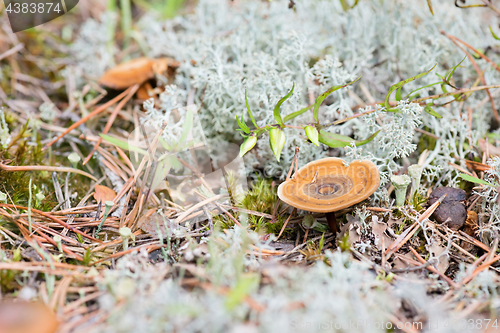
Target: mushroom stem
332, 222
400, 184
415, 172
107, 205
125, 234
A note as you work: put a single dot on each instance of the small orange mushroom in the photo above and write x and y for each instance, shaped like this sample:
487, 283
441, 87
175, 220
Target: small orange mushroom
327, 186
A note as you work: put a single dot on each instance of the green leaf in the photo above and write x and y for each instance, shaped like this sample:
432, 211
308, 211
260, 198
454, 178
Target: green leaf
122, 144
428, 108
339, 141
162, 169
321, 242
277, 115
324, 95
443, 88
242, 125
250, 112
410, 96
246, 284
450, 72
165, 144
474, 179
186, 128
296, 113
398, 94
400, 84
493, 34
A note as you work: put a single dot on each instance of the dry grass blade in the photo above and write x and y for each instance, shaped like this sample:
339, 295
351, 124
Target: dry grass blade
121, 104
474, 241
481, 268
113, 242
89, 116
55, 219
408, 233
199, 205
434, 270
45, 168
286, 223
148, 248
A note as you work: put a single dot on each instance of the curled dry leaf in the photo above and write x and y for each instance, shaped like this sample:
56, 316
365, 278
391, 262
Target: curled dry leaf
136, 71
378, 230
472, 222
471, 225
25, 317
152, 221
103, 194
437, 248
144, 91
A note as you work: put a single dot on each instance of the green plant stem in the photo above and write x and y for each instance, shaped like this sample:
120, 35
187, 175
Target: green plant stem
126, 19
111, 25
108, 206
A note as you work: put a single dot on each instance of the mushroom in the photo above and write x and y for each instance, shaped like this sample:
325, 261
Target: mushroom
328, 185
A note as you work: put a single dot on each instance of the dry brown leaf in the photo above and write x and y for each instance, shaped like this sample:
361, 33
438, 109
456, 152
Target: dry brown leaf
161, 65
136, 71
128, 73
471, 225
150, 221
378, 230
437, 248
103, 193
25, 317
143, 92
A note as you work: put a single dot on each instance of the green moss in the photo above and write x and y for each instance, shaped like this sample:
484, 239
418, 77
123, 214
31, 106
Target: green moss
25, 149
8, 277
426, 142
16, 183
262, 197
418, 201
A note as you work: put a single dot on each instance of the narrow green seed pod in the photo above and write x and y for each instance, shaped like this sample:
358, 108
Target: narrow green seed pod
277, 141
248, 144
312, 134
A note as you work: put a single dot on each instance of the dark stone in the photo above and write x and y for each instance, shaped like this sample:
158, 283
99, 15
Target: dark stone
452, 210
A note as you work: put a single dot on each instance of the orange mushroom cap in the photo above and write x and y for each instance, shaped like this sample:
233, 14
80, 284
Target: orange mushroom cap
327, 185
